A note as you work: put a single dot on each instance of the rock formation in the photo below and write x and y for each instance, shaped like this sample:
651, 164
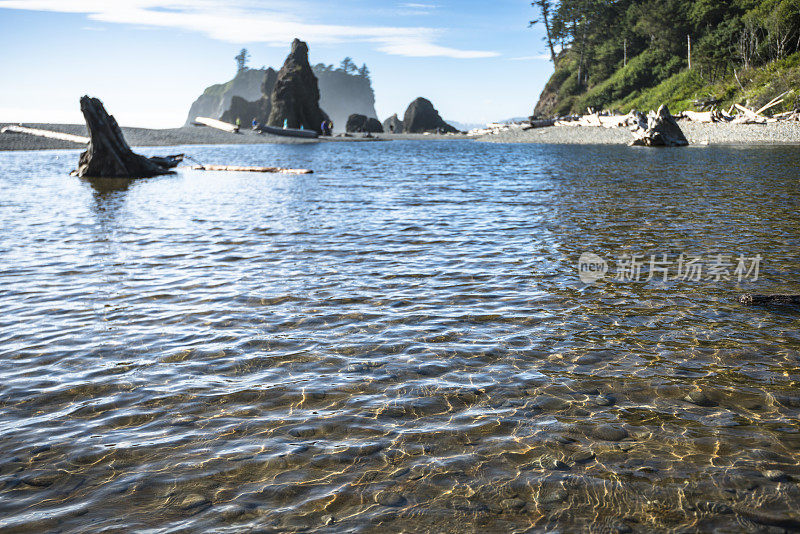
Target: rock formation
393, 125
295, 97
247, 84
362, 124
341, 95
422, 117
662, 130
109, 155
246, 111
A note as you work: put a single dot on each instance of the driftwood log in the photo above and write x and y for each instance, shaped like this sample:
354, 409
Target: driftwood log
237, 168
109, 155
792, 300
662, 130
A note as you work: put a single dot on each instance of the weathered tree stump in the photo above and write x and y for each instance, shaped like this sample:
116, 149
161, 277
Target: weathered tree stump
662, 130
109, 155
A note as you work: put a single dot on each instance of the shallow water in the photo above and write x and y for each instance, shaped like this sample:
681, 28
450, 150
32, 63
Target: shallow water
398, 342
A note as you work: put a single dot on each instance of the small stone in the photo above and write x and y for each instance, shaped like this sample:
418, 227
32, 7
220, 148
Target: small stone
776, 475
328, 519
699, 398
582, 457
552, 464
513, 504
604, 400
303, 432
553, 497
620, 528
390, 498
194, 500
40, 481
609, 433
714, 508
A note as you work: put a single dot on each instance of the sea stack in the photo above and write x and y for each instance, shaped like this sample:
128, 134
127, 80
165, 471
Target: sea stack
393, 125
358, 123
295, 97
422, 117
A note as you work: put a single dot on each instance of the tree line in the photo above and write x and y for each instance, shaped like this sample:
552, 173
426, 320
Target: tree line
716, 37
347, 65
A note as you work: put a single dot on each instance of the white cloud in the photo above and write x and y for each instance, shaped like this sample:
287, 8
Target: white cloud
247, 21
540, 57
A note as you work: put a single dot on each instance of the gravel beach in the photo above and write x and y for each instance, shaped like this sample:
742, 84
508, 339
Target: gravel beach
192, 135
696, 133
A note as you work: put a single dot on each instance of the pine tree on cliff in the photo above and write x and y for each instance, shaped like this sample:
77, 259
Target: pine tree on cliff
545, 9
242, 59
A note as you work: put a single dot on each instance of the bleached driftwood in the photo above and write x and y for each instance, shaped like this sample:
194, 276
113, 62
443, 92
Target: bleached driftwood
219, 125
236, 168
662, 130
772, 103
47, 133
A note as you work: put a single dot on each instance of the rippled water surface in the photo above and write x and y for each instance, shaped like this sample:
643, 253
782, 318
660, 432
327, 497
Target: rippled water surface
398, 342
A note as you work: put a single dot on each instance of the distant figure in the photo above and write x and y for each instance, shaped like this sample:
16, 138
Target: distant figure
255, 124
391, 128
238, 124
285, 123
327, 128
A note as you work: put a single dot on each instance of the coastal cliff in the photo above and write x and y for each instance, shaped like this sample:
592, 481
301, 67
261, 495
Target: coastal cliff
638, 55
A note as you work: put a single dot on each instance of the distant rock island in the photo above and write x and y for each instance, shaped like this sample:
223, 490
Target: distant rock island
422, 117
344, 91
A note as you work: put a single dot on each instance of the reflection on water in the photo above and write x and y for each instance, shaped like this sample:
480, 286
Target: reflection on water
399, 342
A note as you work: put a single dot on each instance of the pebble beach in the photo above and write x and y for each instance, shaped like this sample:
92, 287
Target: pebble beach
696, 133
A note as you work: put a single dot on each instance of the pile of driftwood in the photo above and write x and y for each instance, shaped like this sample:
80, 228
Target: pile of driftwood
739, 114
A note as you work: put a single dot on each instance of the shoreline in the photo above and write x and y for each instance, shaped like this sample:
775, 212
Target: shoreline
698, 134
183, 136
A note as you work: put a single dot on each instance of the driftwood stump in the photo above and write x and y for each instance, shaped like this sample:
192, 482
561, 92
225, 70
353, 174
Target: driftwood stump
662, 130
109, 155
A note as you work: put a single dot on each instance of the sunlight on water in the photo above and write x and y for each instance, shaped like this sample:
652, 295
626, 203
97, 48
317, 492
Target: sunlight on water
399, 342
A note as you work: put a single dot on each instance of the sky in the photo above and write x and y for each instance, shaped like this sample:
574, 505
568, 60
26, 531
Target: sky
148, 60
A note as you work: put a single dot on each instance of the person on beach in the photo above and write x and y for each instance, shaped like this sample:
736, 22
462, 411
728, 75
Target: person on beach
255, 124
285, 123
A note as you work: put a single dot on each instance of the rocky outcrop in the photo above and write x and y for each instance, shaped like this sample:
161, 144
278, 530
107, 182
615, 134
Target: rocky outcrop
246, 110
362, 124
343, 94
295, 97
422, 117
662, 130
216, 99
393, 125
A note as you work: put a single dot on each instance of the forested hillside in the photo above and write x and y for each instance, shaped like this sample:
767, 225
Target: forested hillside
629, 54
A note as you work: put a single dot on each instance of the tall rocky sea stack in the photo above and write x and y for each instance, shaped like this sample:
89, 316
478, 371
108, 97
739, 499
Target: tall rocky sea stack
422, 117
295, 97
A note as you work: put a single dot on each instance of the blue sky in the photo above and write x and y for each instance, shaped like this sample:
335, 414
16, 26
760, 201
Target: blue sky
149, 59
